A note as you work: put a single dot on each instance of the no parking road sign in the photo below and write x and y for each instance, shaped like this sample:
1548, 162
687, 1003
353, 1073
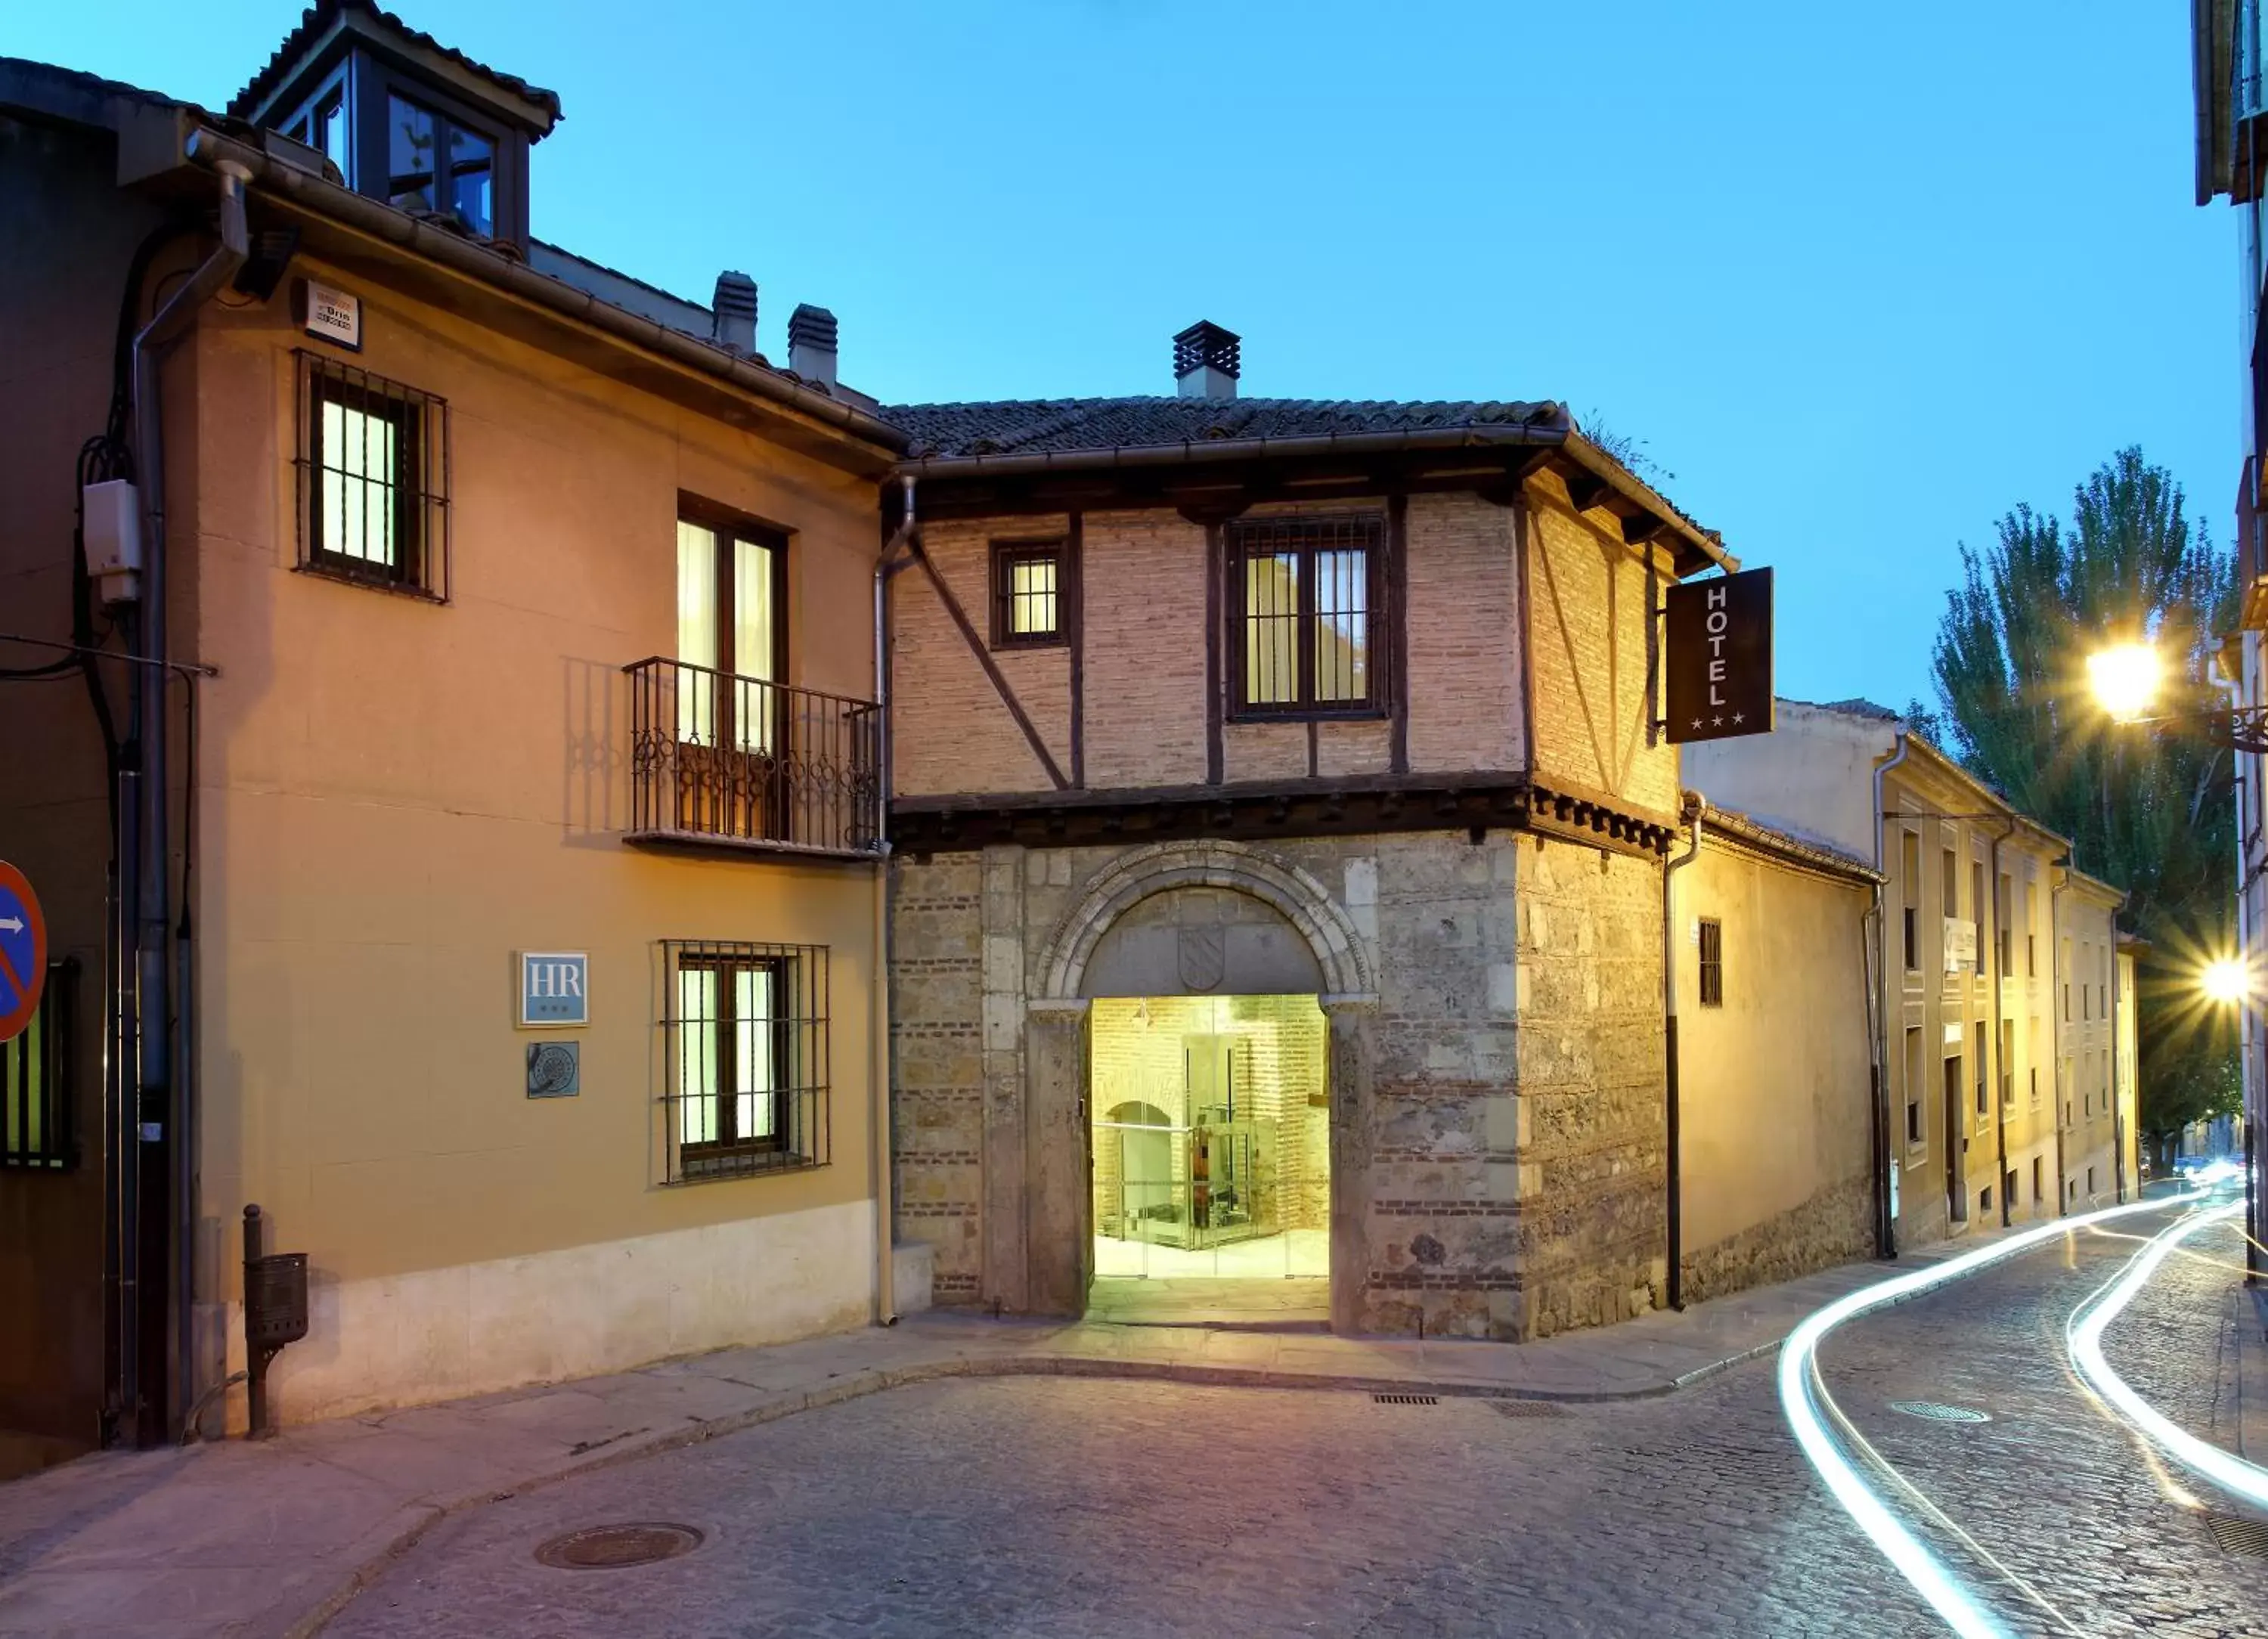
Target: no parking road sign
23, 952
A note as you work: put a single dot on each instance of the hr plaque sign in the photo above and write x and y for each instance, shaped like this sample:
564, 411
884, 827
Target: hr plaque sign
1720, 661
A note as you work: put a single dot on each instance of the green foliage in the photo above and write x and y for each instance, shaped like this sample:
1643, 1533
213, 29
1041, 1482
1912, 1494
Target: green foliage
2147, 806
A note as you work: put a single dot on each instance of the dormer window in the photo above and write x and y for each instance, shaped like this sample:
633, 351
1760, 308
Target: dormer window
323, 126
434, 163
407, 120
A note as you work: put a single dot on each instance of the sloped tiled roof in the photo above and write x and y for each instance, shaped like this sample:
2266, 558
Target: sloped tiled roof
1038, 426
318, 18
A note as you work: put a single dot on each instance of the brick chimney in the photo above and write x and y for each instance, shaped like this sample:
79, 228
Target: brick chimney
1205, 362
811, 344
733, 321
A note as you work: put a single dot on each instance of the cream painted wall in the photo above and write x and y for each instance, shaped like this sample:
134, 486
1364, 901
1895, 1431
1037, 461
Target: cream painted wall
1774, 1093
395, 796
1813, 774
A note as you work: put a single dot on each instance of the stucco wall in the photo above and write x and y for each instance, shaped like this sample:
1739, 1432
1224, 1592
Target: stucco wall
1775, 1097
1813, 774
395, 796
69, 234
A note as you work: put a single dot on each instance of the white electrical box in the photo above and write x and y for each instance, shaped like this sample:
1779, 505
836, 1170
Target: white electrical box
112, 533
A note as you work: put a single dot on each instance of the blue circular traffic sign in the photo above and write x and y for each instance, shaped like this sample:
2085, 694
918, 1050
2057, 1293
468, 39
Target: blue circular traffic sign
23, 952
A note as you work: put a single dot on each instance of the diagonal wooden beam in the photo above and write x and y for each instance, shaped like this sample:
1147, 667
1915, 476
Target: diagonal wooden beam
991, 668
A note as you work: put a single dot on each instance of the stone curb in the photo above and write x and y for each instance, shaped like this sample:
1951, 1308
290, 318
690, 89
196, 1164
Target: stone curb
860, 1384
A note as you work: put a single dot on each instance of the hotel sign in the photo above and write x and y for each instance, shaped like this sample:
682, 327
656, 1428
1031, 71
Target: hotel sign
554, 989
1720, 661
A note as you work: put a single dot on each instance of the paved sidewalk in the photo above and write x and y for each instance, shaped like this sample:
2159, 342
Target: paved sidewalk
273, 1538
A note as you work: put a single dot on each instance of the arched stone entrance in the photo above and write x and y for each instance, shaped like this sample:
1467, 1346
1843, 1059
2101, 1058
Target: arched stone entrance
1154, 920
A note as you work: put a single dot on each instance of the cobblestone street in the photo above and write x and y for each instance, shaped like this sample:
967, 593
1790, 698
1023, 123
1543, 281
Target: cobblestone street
1039, 1506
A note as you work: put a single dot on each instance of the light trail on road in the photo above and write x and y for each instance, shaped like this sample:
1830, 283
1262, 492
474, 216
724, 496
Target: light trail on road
2083, 1341
1809, 1408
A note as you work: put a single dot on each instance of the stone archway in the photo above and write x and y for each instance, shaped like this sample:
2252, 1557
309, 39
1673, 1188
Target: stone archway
1057, 1066
1163, 867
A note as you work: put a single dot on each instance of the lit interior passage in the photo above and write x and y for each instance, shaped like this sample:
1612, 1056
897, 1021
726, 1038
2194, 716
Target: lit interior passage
1211, 1138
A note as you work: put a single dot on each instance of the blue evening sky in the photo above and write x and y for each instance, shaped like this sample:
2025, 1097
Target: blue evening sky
1861, 276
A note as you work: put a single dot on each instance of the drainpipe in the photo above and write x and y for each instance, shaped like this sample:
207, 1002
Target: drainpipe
1695, 807
2062, 867
2118, 1060
2001, 1096
163, 1078
1886, 1223
2247, 1025
883, 1116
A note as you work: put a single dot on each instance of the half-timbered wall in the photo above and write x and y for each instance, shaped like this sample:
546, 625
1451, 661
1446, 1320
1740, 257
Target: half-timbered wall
1136, 664
1590, 598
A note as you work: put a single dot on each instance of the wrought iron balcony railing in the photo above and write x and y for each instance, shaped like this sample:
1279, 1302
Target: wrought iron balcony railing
737, 761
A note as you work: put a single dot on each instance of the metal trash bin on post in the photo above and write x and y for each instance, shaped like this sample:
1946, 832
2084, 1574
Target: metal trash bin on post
275, 1313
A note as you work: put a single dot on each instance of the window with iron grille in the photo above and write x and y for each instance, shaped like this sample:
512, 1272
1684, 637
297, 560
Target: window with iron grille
373, 465
35, 1080
1304, 592
1712, 962
745, 1052
1032, 589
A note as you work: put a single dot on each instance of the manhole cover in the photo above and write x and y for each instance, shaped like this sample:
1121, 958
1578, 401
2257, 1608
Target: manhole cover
1932, 1412
2236, 1534
1525, 1408
613, 1548
1406, 1400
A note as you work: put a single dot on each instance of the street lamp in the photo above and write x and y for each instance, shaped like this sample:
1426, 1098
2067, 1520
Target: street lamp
2125, 678
2225, 981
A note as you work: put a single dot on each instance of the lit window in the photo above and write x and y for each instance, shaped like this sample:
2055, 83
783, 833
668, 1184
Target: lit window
374, 503
1029, 594
748, 1058
1302, 637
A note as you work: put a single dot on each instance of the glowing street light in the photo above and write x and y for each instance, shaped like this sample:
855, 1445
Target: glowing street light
2225, 981
2125, 678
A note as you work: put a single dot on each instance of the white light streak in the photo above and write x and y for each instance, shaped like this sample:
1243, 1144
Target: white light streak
2083, 1337
1802, 1395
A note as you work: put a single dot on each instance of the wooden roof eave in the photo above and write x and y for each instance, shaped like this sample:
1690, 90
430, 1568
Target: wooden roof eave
1693, 549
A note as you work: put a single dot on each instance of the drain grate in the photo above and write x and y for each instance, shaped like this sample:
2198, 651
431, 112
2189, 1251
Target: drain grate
1406, 1400
616, 1547
1930, 1411
1525, 1408
2237, 1533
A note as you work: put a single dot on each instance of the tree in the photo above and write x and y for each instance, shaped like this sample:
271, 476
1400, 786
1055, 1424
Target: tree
2148, 807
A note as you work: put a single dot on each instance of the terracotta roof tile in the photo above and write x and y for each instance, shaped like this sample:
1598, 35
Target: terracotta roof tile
1034, 426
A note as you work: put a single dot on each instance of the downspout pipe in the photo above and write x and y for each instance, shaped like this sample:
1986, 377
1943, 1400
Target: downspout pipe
2062, 868
2248, 1024
163, 1078
2118, 1062
1886, 1225
883, 1115
2002, 1096
1695, 809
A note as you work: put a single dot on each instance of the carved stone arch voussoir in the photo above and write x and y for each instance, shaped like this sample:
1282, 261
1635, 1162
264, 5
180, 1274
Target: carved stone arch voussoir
1161, 867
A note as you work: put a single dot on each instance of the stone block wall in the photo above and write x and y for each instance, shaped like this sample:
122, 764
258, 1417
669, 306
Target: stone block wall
1837, 1225
937, 1088
1592, 1078
1509, 1149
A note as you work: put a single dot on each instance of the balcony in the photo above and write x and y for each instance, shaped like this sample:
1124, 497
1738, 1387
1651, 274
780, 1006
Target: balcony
719, 760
